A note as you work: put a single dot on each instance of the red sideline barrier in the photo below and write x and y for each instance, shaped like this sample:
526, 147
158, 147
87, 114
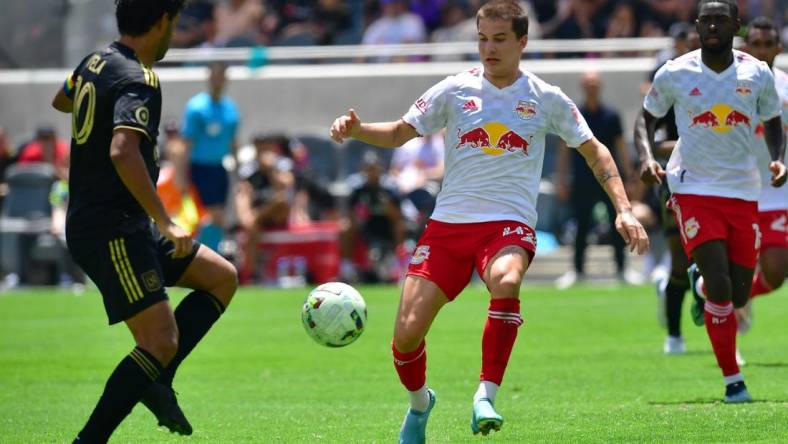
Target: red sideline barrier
313, 248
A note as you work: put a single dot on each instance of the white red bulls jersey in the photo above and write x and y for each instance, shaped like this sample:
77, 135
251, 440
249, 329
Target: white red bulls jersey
772, 198
716, 115
494, 143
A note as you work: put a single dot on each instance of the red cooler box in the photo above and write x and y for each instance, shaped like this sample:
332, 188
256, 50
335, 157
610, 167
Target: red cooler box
311, 249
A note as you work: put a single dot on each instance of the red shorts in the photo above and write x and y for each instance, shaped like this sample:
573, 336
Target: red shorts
774, 228
706, 218
447, 253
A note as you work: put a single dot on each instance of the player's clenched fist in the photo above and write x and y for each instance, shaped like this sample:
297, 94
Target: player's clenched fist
345, 127
778, 173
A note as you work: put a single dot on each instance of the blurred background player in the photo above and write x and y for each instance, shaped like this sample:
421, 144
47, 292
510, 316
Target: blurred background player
584, 193
718, 94
210, 126
763, 42
496, 118
671, 288
117, 228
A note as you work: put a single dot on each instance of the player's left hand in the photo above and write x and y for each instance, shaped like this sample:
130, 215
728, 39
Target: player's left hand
632, 231
778, 173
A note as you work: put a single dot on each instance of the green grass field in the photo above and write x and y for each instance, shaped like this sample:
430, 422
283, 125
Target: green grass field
587, 367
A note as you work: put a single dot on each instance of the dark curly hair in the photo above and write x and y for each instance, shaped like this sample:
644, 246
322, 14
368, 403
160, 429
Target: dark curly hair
136, 17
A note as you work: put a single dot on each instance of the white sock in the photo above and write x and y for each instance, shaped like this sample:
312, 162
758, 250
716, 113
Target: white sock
733, 378
420, 399
487, 390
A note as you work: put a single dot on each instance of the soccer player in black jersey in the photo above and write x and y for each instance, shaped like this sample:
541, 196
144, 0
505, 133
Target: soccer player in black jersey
117, 229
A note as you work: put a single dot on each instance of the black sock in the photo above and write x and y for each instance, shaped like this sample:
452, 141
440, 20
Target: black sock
675, 297
195, 315
123, 389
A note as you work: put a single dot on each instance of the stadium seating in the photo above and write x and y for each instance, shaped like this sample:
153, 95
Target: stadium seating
29, 250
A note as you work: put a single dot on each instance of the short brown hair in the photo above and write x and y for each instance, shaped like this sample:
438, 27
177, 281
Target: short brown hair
505, 10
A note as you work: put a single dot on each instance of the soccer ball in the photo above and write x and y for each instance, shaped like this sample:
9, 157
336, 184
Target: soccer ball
334, 314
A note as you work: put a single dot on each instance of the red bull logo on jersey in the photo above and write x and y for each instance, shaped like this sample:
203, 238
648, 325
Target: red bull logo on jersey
525, 109
494, 139
743, 89
720, 118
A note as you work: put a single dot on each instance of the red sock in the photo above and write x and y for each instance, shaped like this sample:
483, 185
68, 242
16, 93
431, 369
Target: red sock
411, 367
721, 327
759, 285
500, 331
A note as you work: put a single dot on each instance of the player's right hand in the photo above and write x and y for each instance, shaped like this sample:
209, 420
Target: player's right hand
345, 127
652, 173
178, 236
778, 173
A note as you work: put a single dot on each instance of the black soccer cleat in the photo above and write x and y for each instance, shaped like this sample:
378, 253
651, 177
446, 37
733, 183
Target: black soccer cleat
161, 401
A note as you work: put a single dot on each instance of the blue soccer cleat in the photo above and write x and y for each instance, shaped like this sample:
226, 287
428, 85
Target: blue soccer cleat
698, 301
485, 418
414, 427
737, 393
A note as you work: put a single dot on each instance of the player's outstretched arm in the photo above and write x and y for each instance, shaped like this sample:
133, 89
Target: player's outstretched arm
382, 134
128, 162
651, 171
774, 136
602, 164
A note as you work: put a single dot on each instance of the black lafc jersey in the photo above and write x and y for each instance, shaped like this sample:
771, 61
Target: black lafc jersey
112, 89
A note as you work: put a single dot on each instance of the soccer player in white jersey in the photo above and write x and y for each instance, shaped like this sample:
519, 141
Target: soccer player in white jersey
763, 42
496, 118
718, 94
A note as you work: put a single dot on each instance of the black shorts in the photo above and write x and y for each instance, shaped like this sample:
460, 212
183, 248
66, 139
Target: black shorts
131, 269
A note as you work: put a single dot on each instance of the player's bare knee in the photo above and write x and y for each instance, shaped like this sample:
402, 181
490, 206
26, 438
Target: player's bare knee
774, 273
774, 276
162, 344
718, 287
407, 342
506, 284
226, 283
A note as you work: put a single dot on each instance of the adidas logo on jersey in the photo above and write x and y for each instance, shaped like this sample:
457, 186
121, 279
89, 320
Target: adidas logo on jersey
695, 92
470, 105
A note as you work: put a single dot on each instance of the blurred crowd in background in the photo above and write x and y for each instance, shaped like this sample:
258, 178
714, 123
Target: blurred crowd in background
288, 213
233, 23
37, 33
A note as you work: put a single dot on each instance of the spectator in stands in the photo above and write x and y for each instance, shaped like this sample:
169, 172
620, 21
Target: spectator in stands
196, 25
373, 232
330, 19
47, 147
584, 192
396, 25
623, 22
210, 125
430, 12
576, 19
237, 21
6, 159
264, 199
673, 11
456, 26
